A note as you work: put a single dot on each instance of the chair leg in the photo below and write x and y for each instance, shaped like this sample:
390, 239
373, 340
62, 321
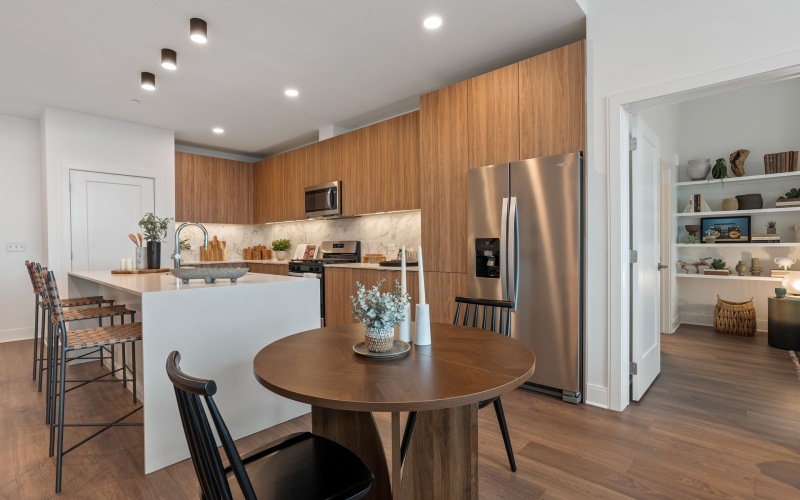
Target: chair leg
133, 361
410, 423
52, 374
124, 364
501, 419
51, 367
42, 357
35, 335
59, 458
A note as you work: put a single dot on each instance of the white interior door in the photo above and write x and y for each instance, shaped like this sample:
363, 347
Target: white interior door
645, 272
104, 209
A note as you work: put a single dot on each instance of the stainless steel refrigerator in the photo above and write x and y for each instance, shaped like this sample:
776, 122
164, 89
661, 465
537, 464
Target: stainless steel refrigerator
525, 225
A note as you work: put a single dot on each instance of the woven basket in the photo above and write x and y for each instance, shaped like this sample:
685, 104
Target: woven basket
379, 340
735, 318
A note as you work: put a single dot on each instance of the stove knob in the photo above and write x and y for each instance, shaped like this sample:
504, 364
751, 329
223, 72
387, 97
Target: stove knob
315, 269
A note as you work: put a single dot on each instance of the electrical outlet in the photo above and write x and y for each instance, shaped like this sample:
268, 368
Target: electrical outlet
16, 247
391, 247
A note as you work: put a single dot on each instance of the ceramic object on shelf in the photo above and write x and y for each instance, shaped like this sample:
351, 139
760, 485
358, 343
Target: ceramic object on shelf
750, 201
699, 168
692, 229
729, 204
784, 262
755, 266
741, 268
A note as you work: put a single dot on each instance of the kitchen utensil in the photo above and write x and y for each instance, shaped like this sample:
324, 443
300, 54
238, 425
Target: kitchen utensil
139, 235
133, 239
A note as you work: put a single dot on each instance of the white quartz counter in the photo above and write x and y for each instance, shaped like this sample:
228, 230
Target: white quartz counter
375, 267
138, 284
218, 328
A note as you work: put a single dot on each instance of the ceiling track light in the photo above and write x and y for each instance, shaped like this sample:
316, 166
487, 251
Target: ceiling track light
169, 59
198, 30
148, 81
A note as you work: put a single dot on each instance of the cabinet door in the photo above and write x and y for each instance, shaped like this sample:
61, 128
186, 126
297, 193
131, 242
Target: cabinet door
340, 285
552, 102
294, 167
354, 154
443, 178
494, 117
408, 170
213, 190
268, 191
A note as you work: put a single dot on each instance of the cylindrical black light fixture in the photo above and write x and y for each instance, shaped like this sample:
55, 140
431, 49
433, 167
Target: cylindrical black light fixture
198, 30
148, 81
169, 59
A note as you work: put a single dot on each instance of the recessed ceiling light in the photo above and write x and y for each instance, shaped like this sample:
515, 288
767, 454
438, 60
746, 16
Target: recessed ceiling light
291, 92
198, 30
148, 81
432, 22
218, 130
169, 59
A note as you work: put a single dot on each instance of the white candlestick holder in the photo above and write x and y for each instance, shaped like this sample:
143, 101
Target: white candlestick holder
423, 334
404, 332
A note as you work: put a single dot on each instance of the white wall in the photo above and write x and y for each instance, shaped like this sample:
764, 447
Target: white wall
76, 140
20, 222
641, 49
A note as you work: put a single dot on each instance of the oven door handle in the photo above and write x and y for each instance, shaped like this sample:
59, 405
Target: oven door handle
303, 275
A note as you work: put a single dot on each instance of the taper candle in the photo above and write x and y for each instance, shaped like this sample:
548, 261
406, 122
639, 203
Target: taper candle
421, 276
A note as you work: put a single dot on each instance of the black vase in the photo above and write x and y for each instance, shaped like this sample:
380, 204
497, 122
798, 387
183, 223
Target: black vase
153, 255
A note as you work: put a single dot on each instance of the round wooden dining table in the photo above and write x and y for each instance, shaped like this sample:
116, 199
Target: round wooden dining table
443, 381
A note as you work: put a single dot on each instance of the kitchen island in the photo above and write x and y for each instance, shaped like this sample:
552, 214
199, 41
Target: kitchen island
217, 328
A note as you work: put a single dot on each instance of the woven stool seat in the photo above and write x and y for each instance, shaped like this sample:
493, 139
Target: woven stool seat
104, 335
81, 301
93, 313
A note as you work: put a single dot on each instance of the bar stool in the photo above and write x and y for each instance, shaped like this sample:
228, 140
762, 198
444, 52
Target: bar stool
41, 308
65, 342
75, 315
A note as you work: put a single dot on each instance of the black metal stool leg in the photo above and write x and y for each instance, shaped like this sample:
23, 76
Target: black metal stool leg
133, 361
59, 458
42, 355
501, 419
35, 334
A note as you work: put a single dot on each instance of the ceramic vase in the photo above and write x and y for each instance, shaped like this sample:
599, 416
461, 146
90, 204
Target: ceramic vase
698, 169
153, 255
741, 268
280, 254
379, 339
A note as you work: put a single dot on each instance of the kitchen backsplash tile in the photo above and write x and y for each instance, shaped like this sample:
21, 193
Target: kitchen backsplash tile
376, 233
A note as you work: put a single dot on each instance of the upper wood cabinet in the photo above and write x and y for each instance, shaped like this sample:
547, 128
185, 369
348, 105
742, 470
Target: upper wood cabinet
444, 154
552, 102
494, 117
355, 157
213, 190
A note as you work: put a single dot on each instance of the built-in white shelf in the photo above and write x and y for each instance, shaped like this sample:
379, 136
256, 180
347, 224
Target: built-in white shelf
735, 245
734, 213
788, 176
729, 277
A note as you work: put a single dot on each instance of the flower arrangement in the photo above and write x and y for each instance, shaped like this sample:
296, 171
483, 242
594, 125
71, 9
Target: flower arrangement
379, 310
281, 245
154, 227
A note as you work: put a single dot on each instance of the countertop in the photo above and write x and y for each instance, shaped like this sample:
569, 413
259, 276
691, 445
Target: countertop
139, 284
374, 267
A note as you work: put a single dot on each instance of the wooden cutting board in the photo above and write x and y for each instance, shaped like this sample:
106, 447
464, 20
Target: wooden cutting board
140, 271
216, 251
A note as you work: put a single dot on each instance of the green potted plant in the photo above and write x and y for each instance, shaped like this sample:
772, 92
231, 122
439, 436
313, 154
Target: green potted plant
280, 247
155, 230
771, 227
717, 267
719, 170
790, 199
379, 312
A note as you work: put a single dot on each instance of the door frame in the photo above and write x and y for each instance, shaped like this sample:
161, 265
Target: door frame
618, 109
65, 233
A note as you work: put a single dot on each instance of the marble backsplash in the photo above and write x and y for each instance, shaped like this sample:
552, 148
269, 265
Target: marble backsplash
375, 232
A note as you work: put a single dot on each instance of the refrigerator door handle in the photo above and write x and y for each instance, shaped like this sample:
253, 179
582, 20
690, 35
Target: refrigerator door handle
513, 253
504, 249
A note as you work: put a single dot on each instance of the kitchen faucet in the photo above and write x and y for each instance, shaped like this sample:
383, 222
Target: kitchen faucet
177, 254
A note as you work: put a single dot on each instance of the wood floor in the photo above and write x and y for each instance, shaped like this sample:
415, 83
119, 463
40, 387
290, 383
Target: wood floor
722, 420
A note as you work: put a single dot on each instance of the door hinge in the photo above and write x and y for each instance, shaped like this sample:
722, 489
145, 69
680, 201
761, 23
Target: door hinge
633, 143
634, 368
634, 256
70, 187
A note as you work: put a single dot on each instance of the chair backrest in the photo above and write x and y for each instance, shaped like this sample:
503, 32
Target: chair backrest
33, 271
493, 315
190, 391
51, 297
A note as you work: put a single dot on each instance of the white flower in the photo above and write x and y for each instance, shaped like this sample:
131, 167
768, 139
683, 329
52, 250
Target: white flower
379, 310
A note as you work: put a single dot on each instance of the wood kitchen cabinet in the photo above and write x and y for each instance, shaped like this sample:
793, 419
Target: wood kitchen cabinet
213, 190
443, 146
279, 269
268, 191
355, 157
494, 117
552, 102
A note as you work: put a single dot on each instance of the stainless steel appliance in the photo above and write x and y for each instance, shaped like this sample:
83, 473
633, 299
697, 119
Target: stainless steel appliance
324, 200
526, 222
330, 252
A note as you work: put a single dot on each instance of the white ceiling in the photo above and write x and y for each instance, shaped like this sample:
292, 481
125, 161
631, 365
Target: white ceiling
353, 61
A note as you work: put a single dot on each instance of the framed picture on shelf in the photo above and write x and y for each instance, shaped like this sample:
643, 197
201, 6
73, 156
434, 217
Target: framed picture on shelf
726, 229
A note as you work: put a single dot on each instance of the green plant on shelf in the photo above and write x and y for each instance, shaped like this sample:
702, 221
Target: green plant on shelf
689, 239
718, 264
771, 224
154, 227
719, 170
281, 245
793, 193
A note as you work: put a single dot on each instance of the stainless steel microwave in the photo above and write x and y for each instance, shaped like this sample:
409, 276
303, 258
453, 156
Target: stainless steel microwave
324, 200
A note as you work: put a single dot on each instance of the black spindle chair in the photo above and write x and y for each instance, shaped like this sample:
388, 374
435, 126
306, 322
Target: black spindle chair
300, 465
490, 315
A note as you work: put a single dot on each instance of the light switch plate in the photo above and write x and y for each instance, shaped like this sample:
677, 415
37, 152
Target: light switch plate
391, 247
16, 247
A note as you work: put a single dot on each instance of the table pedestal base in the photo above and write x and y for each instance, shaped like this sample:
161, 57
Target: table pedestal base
442, 460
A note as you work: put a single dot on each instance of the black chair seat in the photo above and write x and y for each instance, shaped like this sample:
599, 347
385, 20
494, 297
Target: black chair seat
303, 465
